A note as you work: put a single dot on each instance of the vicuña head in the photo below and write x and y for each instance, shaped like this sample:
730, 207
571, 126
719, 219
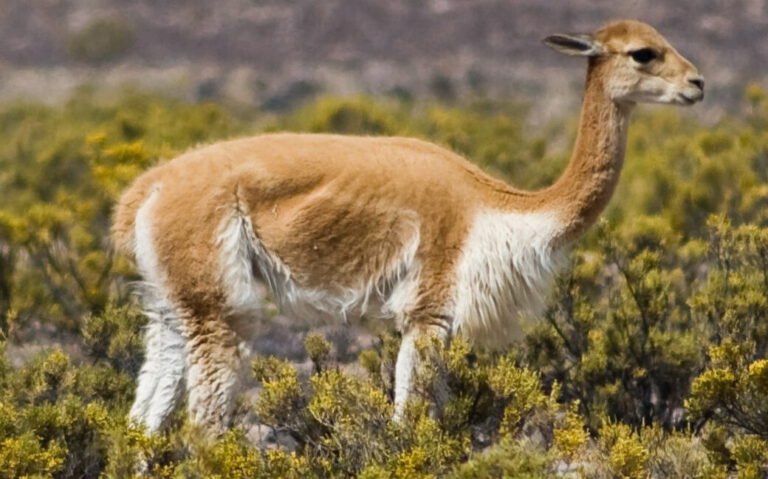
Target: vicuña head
392, 228
635, 64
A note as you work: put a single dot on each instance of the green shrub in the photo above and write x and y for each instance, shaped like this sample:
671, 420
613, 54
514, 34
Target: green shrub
55, 259
651, 361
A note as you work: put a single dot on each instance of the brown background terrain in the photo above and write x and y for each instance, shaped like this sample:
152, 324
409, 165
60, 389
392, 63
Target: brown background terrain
275, 53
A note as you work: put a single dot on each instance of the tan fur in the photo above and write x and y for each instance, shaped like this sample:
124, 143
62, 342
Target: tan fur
337, 211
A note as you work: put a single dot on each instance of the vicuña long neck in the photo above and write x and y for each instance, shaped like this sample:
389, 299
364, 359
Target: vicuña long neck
585, 187
588, 182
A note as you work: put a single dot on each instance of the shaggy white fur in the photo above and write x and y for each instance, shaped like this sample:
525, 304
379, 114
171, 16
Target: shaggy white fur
505, 273
162, 374
235, 242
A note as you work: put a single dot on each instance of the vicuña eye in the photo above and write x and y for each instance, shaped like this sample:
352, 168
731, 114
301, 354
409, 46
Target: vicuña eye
644, 55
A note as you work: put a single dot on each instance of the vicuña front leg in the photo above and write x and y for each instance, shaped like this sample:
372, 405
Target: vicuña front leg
409, 361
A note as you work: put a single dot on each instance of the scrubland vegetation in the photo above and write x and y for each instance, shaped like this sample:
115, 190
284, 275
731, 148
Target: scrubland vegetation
651, 361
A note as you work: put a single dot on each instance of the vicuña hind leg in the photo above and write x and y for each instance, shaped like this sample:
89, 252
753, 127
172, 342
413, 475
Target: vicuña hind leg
162, 374
213, 366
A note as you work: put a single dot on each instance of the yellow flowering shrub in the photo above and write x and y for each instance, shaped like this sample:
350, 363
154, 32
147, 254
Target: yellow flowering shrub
652, 360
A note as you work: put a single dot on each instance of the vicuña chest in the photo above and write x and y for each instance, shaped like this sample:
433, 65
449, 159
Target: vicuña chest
505, 274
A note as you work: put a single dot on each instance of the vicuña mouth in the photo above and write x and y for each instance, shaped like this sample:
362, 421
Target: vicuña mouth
689, 100
686, 99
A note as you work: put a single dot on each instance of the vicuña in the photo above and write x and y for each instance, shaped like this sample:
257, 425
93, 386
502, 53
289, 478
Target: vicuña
391, 228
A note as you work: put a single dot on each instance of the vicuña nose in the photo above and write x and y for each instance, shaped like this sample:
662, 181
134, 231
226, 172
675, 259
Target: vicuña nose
698, 81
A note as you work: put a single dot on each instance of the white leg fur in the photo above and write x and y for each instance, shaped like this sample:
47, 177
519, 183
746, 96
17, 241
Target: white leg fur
407, 362
162, 374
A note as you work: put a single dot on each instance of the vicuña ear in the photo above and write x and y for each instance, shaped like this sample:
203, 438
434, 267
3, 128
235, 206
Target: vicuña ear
581, 44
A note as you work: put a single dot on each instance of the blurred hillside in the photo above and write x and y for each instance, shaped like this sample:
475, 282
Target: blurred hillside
276, 53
